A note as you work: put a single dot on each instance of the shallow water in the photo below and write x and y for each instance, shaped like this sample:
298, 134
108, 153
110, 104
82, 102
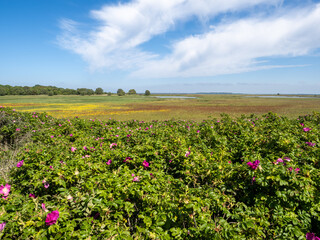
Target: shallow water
181, 97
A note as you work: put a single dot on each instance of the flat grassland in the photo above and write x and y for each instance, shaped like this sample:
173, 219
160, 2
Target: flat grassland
152, 108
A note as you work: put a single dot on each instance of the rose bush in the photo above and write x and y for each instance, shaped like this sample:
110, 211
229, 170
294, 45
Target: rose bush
246, 178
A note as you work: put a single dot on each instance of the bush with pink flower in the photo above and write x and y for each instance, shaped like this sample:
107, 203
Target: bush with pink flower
112, 179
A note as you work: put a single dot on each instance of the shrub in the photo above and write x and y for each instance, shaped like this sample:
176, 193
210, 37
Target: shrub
246, 178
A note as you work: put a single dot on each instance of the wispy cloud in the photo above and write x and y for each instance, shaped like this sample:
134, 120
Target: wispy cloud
232, 46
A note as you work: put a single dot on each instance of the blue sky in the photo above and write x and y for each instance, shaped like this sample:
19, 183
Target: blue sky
171, 46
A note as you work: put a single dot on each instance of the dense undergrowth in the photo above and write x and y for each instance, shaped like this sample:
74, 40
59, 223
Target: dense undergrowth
246, 178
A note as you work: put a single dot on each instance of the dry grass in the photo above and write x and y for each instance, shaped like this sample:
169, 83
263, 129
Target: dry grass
9, 153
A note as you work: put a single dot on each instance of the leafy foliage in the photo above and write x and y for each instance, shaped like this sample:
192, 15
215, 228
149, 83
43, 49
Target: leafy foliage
120, 92
147, 93
163, 179
132, 92
99, 91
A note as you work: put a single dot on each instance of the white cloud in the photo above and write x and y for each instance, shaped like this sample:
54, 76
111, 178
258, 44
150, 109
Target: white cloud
227, 48
238, 46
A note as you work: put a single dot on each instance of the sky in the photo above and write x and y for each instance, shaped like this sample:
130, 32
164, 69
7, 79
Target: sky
167, 46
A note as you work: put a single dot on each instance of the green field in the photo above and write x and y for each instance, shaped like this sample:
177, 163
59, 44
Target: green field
150, 108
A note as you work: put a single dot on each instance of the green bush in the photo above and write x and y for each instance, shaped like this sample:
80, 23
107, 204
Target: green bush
164, 179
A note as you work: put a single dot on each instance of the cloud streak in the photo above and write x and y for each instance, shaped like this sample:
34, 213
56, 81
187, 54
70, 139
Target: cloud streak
231, 46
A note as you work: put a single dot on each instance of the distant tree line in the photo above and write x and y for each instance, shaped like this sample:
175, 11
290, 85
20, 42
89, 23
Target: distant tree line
52, 90
120, 92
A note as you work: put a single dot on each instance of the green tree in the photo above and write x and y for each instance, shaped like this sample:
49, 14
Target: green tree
99, 91
90, 92
147, 93
84, 91
132, 92
120, 92
3, 91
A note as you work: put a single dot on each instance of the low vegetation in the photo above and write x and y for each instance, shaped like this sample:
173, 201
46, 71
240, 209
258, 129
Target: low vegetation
253, 177
148, 108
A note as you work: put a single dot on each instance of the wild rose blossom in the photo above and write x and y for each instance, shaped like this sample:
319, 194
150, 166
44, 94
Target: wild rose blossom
279, 160
135, 179
187, 154
19, 164
52, 218
306, 129
32, 195
310, 144
253, 180
113, 144
43, 206
287, 159
2, 225
73, 149
254, 164
311, 236
5, 190
109, 162
127, 158
145, 164
45, 184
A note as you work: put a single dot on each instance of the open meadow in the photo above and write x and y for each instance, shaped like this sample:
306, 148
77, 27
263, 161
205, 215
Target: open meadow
153, 108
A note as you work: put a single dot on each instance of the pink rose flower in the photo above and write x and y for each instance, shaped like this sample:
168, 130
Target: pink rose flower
127, 158
253, 165
19, 164
311, 236
43, 206
45, 184
5, 189
310, 144
145, 164
32, 195
2, 225
135, 179
52, 218
113, 144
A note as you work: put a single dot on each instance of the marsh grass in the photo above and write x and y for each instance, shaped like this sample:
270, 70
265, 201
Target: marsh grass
9, 153
151, 108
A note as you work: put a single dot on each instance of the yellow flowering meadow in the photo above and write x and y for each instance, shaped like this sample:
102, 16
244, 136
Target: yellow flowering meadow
66, 110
